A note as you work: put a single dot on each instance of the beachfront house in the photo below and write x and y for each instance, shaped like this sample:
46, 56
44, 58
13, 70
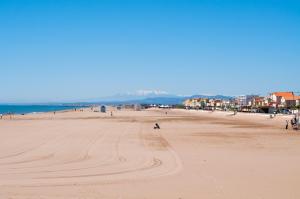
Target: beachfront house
277, 100
208, 104
188, 103
216, 103
262, 105
195, 103
290, 101
258, 102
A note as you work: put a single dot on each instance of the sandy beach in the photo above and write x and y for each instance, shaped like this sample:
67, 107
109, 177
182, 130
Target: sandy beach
195, 154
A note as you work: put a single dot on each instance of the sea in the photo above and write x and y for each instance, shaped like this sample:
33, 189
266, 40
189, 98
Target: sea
25, 109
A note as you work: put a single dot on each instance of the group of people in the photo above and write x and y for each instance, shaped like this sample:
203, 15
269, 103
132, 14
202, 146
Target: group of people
294, 123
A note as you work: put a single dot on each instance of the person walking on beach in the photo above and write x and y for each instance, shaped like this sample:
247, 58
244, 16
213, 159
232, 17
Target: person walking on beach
1, 116
287, 125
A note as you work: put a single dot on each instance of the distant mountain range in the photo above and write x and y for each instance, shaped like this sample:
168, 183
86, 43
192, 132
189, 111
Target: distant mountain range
138, 97
151, 97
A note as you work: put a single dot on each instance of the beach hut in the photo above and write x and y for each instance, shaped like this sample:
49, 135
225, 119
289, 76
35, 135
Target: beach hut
103, 109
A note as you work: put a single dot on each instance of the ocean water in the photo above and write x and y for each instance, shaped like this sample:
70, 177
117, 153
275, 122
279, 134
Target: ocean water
25, 109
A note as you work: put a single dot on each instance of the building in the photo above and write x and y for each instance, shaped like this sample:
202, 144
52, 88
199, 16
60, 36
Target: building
258, 102
195, 103
284, 99
288, 101
245, 100
215, 103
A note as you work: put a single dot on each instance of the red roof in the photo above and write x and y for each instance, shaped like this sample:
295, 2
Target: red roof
284, 94
292, 98
259, 99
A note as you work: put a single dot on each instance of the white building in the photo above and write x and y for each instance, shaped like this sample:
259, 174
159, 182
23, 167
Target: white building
245, 100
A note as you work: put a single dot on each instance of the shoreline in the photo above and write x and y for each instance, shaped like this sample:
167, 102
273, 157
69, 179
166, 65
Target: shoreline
57, 109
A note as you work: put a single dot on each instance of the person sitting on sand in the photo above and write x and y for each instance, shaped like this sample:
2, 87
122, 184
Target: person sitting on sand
156, 126
294, 123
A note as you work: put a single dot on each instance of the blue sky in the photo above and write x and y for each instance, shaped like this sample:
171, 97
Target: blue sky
82, 49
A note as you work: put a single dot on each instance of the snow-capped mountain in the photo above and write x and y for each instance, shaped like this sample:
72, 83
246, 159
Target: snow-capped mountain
150, 97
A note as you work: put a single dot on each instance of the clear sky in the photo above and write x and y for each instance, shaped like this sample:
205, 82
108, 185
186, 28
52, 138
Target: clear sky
80, 49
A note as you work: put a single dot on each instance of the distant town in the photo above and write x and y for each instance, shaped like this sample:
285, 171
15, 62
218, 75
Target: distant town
276, 102
287, 102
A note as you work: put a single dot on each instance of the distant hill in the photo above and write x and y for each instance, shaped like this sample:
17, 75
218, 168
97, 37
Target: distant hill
134, 96
155, 99
159, 100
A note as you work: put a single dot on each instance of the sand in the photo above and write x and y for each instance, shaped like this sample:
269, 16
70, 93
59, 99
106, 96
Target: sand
195, 154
